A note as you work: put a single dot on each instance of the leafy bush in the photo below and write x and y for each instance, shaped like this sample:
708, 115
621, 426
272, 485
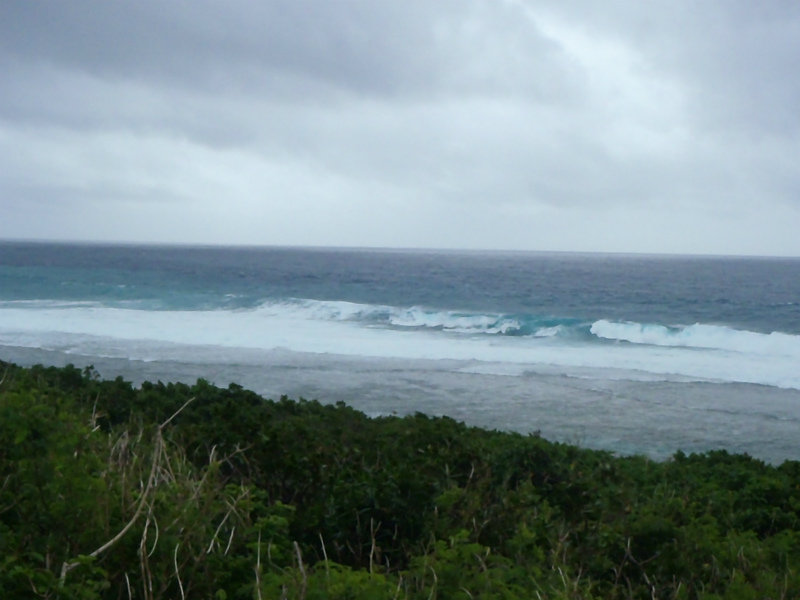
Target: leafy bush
179, 491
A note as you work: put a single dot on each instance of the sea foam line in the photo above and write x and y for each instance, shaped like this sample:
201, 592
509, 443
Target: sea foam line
704, 352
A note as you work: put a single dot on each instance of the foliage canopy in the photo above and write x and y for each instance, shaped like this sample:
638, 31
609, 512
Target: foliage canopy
178, 491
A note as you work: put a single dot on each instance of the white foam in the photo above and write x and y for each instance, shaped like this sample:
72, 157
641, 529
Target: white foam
452, 321
701, 336
548, 331
699, 352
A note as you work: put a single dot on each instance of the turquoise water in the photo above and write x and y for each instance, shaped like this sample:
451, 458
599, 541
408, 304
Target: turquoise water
632, 353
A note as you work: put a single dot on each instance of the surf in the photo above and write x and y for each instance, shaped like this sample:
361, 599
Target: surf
524, 342
715, 337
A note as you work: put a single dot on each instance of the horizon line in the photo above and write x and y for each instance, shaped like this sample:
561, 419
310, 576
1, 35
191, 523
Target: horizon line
416, 249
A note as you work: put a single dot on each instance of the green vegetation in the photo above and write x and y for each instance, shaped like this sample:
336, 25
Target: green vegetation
177, 491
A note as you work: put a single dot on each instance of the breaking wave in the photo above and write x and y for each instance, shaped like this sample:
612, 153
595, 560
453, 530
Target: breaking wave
421, 318
700, 336
516, 341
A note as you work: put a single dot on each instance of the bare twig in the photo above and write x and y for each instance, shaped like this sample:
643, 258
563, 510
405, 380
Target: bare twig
155, 541
67, 566
372, 546
435, 582
325, 554
158, 452
471, 473
258, 566
230, 539
399, 585
177, 572
147, 578
93, 422
302, 571
176, 413
216, 533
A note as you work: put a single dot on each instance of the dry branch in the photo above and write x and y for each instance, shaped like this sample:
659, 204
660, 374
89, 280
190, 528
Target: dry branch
158, 452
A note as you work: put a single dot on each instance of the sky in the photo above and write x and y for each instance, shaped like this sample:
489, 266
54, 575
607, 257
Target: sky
666, 126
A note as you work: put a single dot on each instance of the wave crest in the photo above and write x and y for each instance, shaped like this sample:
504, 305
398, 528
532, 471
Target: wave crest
395, 317
454, 321
715, 337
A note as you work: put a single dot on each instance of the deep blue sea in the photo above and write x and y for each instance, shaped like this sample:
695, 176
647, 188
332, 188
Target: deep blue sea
632, 353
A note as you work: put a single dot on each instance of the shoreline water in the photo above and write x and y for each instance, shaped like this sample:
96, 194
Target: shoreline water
652, 418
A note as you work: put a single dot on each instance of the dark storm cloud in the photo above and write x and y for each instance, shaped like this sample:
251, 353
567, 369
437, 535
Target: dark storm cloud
203, 69
356, 46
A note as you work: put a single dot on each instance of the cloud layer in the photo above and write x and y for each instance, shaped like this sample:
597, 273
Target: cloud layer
621, 126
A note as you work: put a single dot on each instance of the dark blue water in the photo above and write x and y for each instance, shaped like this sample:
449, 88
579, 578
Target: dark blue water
756, 294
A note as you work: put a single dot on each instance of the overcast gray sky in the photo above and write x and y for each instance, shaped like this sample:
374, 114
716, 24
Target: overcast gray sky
657, 126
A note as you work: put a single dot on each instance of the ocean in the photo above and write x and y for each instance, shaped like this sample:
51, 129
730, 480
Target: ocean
629, 353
